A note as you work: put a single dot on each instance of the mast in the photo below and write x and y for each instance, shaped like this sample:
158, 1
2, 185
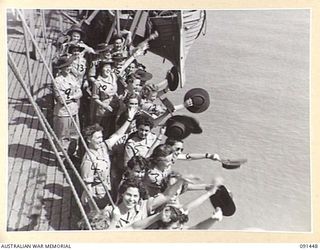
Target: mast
181, 49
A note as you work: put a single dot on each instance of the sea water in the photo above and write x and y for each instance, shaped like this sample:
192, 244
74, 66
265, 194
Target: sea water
255, 65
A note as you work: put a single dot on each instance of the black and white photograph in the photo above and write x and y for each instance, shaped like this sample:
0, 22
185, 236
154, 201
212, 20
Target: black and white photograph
193, 119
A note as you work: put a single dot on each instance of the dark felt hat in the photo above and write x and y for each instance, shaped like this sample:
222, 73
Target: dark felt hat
200, 99
142, 75
75, 46
223, 200
232, 164
75, 28
173, 78
180, 126
64, 61
102, 47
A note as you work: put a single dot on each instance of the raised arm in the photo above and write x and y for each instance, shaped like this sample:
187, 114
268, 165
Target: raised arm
165, 197
197, 202
121, 131
157, 141
198, 156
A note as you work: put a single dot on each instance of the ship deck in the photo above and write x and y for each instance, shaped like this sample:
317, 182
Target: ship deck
39, 197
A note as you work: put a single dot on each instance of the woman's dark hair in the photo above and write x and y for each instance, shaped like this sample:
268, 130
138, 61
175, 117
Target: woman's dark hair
90, 130
101, 65
176, 215
171, 141
144, 120
132, 96
131, 182
162, 150
137, 160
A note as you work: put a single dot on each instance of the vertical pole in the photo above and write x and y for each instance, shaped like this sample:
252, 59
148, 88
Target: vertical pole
182, 49
26, 44
111, 31
135, 23
33, 53
60, 21
118, 21
44, 28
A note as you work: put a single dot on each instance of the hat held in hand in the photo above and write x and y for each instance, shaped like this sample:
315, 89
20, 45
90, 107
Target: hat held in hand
173, 78
180, 127
223, 200
200, 99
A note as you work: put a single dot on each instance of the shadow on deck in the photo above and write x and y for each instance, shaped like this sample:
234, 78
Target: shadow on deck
39, 197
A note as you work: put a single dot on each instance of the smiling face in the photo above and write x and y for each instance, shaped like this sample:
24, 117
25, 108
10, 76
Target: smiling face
143, 131
107, 55
178, 149
153, 96
133, 102
75, 36
136, 172
164, 162
106, 70
131, 68
95, 140
118, 44
130, 197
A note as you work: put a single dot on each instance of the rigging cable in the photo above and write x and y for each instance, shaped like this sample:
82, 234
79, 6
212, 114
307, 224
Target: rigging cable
34, 104
64, 103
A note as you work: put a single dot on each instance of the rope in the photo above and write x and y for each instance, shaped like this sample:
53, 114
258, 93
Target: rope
70, 162
34, 105
64, 103
204, 24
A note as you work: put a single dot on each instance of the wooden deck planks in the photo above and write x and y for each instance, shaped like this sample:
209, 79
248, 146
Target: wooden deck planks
21, 166
39, 198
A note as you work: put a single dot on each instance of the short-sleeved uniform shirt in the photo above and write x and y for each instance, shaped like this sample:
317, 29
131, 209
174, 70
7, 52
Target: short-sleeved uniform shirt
154, 109
101, 164
156, 180
141, 211
66, 86
79, 67
137, 147
104, 89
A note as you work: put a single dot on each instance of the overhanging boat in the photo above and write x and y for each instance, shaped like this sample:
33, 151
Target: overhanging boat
177, 30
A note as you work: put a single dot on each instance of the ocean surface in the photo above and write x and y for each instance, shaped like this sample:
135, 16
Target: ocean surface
255, 66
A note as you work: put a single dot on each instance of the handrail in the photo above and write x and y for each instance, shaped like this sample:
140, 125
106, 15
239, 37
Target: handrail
36, 109
70, 162
26, 44
65, 105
